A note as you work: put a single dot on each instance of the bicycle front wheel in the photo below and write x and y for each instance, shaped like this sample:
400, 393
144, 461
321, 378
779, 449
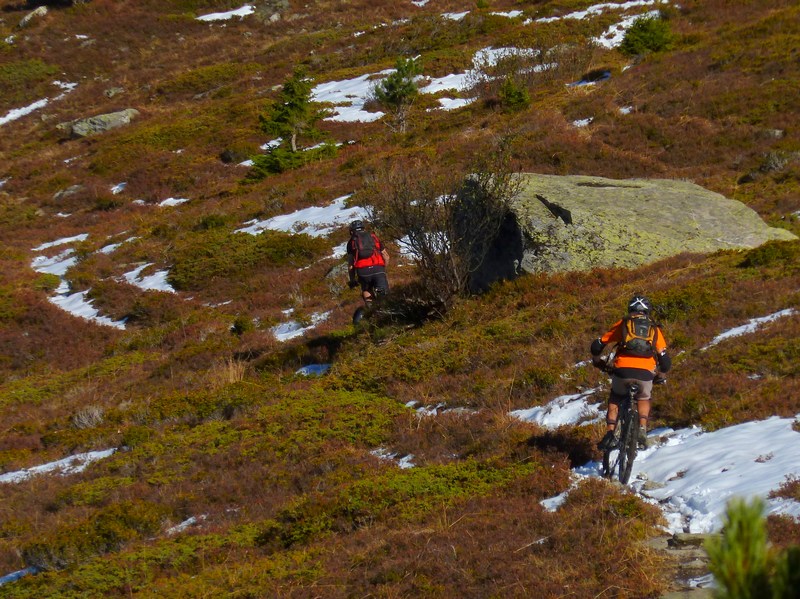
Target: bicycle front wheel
628, 446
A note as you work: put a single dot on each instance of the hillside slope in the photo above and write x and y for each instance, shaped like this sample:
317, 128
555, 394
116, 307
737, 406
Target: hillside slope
158, 301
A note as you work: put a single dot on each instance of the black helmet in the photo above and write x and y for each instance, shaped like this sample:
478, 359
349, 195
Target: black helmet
356, 225
639, 303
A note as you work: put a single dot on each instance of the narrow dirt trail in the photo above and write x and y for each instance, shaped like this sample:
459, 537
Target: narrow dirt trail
689, 571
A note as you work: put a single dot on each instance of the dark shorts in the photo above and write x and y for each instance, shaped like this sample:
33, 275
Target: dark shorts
372, 279
619, 388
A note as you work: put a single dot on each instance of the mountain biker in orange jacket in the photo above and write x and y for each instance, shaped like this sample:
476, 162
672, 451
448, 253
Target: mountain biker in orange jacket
369, 271
631, 364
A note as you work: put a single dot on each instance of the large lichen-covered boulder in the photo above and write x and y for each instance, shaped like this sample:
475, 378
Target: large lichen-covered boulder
581, 222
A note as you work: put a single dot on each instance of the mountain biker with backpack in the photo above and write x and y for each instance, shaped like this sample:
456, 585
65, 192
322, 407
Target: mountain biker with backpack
367, 259
641, 352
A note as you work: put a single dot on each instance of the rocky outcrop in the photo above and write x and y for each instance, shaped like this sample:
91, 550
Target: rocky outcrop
581, 222
98, 124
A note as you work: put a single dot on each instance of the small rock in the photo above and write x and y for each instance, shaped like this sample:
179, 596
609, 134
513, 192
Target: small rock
68, 192
38, 13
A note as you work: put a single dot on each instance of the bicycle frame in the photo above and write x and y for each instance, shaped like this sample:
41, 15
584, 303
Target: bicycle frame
627, 445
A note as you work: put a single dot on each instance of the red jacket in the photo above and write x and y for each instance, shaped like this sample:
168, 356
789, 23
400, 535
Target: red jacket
376, 259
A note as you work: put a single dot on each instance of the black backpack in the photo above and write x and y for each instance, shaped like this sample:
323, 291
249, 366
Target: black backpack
364, 244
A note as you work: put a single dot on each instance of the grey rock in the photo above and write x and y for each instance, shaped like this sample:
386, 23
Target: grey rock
98, 124
270, 11
36, 14
581, 222
68, 192
337, 278
114, 91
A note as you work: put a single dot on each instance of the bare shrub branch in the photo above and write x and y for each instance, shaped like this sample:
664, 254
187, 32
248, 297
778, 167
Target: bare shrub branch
445, 219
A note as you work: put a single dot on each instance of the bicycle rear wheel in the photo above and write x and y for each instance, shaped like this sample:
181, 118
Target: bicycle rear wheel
628, 446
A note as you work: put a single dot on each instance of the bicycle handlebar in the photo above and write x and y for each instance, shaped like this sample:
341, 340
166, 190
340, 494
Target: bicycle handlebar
604, 364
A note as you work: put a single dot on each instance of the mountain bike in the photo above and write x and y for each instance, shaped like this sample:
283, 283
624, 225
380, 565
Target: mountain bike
626, 434
621, 455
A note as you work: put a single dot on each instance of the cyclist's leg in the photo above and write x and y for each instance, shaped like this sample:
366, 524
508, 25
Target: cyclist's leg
612, 414
619, 391
367, 286
643, 401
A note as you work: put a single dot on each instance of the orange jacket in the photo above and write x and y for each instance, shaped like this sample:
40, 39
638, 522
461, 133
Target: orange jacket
621, 360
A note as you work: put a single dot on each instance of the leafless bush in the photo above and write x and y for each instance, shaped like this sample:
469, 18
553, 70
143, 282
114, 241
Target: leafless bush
447, 220
88, 417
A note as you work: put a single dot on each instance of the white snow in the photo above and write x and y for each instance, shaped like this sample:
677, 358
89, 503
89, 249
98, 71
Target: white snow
700, 471
614, 35
316, 221
62, 241
599, 9
77, 305
17, 113
566, 409
191, 521
512, 14
348, 98
289, 330
752, 325
455, 16
582, 122
242, 12
173, 202
154, 282
74, 303
119, 187
314, 370
70, 465
404, 462
703, 471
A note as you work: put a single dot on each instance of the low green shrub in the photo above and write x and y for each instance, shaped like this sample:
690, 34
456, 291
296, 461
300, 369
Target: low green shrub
199, 257
742, 564
94, 492
303, 421
402, 495
647, 34
105, 532
206, 78
513, 95
785, 254
280, 160
18, 78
